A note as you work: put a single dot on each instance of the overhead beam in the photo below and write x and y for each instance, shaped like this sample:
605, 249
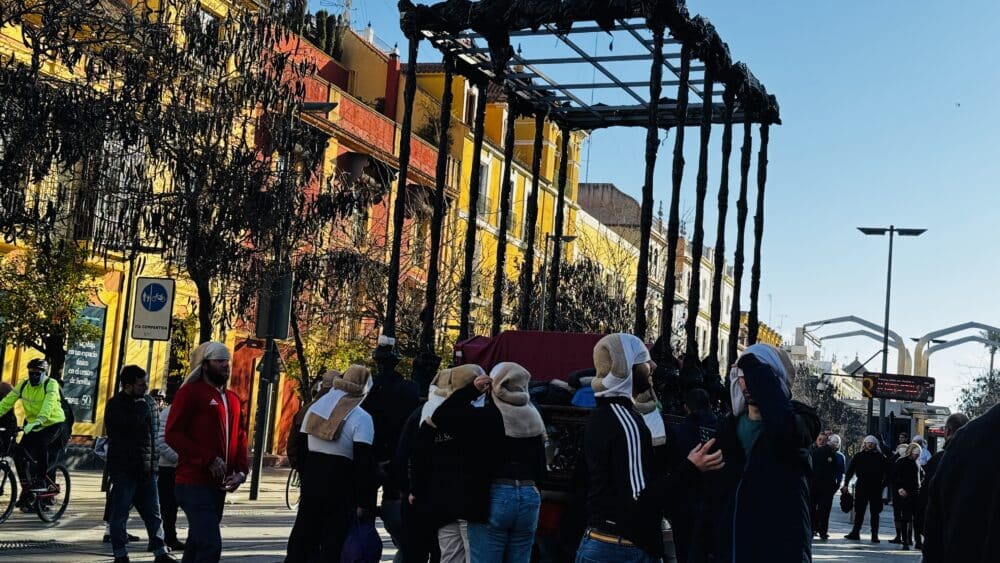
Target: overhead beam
612, 76
600, 59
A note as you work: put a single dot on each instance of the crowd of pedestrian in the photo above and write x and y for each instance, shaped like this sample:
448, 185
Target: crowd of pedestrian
460, 470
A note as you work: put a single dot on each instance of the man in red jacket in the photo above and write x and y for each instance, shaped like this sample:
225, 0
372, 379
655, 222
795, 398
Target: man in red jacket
204, 429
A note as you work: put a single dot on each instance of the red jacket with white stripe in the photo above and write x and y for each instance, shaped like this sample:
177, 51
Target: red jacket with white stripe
196, 430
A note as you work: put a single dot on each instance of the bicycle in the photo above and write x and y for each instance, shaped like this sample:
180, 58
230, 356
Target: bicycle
49, 501
293, 490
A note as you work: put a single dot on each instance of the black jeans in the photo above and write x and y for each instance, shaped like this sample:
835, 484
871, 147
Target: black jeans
168, 502
139, 490
37, 444
822, 504
324, 515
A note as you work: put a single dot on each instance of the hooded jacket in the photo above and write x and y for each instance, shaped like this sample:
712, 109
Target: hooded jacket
769, 488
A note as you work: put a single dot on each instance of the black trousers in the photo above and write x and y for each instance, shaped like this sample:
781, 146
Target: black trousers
38, 444
419, 537
325, 507
168, 502
822, 504
870, 500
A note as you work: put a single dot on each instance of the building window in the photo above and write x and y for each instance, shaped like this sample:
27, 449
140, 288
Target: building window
471, 99
484, 205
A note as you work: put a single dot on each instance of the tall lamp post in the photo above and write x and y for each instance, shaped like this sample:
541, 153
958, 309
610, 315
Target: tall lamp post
545, 267
891, 230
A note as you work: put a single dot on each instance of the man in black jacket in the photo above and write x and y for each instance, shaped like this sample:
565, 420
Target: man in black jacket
961, 522
871, 467
626, 498
132, 424
390, 401
689, 511
824, 485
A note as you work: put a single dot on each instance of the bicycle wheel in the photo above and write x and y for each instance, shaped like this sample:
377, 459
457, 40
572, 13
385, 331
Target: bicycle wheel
51, 505
293, 490
8, 492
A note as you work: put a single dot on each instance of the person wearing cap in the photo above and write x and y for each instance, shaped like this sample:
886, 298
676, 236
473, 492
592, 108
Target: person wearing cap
168, 471
870, 467
338, 482
205, 429
765, 442
40, 398
626, 496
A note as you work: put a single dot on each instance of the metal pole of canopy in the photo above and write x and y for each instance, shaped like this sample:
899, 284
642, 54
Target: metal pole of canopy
427, 361
531, 219
646, 217
673, 220
712, 362
753, 324
506, 191
399, 206
698, 239
475, 188
742, 210
553, 281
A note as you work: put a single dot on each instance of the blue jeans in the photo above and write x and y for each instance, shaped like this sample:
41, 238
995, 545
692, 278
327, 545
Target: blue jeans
140, 490
203, 506
593, 551
508, 534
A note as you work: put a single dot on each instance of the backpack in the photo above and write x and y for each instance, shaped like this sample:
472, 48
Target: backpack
66, 407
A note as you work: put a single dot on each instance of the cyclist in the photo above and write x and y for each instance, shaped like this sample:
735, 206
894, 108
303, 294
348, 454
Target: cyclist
43, 423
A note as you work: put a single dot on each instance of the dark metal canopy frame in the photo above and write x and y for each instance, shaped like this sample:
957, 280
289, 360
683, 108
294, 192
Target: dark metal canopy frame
475, 39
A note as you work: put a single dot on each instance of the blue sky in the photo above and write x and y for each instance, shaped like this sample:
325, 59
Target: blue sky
888, 118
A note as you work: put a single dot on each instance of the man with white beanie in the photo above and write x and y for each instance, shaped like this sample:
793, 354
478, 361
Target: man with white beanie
205, 429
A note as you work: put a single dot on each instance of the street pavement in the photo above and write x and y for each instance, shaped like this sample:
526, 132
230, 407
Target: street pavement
252, 531
257, 532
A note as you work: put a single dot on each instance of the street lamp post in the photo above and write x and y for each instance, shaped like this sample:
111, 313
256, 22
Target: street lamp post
892, 230
545, 268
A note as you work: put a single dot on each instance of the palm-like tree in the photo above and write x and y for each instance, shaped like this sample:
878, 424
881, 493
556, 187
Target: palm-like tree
994, 337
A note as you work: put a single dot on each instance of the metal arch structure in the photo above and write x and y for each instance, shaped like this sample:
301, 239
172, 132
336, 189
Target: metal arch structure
904, 361
923, 348
852, 334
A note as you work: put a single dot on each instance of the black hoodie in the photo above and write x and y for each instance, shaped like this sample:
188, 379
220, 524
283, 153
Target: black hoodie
766, 492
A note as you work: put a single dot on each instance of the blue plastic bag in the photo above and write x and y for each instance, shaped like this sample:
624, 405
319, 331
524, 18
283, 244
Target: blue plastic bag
363, 544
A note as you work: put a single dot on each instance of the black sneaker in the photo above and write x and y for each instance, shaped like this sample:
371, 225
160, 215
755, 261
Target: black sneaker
165, 558
176, 545
123, 559
852, 536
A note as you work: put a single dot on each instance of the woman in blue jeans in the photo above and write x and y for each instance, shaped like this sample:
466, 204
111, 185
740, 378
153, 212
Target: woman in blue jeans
505, 460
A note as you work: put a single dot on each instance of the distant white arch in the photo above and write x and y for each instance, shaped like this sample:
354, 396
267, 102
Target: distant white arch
920, 356
904, 362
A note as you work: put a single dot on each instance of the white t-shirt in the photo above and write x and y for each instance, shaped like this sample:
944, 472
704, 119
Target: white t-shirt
358, 427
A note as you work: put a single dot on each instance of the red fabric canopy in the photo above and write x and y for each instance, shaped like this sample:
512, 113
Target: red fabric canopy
546, 355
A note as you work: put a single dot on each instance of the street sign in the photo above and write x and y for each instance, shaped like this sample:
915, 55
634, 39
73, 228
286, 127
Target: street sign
903, 387
154, 306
